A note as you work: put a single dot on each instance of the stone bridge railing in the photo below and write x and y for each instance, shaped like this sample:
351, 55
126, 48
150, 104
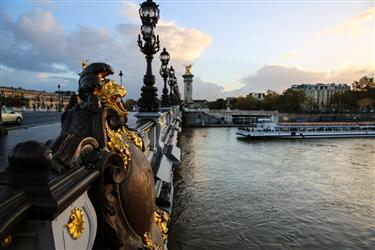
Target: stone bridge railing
42, 209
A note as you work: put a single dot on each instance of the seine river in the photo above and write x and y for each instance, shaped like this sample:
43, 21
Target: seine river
232, 193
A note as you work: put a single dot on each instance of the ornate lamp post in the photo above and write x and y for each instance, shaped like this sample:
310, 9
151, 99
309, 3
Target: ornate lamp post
177, 93
171, 83
149, 13
164, 58
59, 107
121, 74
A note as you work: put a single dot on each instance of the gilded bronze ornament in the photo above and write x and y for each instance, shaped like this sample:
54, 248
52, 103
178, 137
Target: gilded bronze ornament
148, 244
117, 144
76, 223
161, 218
110, 96
6, 241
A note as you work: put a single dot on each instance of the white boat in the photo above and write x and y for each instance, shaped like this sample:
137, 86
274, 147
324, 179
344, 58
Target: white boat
269, 129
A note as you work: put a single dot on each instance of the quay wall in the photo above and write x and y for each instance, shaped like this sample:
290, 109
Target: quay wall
233, 118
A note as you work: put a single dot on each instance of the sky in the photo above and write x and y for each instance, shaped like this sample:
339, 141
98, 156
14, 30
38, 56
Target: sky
236, 47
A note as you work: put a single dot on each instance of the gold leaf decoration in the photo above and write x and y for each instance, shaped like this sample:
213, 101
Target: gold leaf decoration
6, 241
147, 242
161, 218
76, 223
117, 144
110, 96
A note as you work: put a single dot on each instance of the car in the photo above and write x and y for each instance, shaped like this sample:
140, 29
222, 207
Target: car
8, 115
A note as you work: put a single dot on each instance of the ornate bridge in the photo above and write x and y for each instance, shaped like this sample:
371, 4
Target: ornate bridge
99, 184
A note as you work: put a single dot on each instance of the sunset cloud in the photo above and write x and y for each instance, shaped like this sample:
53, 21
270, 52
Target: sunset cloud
281, 77
184, 44
36, 44
356, 25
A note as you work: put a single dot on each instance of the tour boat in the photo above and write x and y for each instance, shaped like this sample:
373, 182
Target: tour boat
270, 129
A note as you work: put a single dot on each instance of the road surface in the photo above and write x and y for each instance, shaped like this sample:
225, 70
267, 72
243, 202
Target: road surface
36, 118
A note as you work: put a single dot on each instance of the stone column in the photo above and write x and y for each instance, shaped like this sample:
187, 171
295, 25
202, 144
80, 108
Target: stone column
188, 88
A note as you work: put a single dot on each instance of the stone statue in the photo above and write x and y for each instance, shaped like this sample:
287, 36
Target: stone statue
188, 68
95, 137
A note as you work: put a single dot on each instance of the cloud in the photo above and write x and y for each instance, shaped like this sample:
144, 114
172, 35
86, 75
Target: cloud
354, 26
130, 11
37, 42
42, 76
206, 90
290, 55
281, 77
182, 43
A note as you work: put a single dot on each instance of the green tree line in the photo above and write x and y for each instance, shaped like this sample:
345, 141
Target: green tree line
360, 98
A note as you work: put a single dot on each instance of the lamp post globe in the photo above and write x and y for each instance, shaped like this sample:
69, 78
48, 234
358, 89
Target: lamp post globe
149, 12
164, 57
149, 45
164, 72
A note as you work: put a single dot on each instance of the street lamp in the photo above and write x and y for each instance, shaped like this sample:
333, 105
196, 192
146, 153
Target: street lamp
121, 74
149, 14
177, 92
164, 58
58, 86
171, 83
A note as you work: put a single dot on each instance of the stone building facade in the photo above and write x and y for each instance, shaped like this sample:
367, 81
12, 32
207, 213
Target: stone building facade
320, 95
34, 98
258, 95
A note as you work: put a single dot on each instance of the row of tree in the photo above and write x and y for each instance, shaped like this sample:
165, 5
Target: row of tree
290, 100
360, 98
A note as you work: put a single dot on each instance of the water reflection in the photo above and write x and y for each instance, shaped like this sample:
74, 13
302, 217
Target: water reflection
240, 194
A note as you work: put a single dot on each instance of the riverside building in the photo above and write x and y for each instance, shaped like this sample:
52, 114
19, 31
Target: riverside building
34, 98
320, 95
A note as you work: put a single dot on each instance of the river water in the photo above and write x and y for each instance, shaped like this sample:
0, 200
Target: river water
232, 193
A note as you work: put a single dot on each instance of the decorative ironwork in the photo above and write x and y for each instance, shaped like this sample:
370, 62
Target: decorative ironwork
6, 241
149, 13
76, 223
148, 244
110, 96
161, 218
94, 147
172, 79
117, 144
164, 72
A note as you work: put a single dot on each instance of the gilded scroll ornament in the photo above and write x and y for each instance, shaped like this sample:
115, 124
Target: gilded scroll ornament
6, 241
117, 144
133, 136
148, 244
161, 218
110, 96
162, 122
76, 223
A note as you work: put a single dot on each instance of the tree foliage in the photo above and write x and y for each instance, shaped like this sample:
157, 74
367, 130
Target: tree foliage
364, 84
246, 103
218, 104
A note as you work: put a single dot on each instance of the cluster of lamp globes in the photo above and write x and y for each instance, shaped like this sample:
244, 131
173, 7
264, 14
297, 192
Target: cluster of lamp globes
149, 14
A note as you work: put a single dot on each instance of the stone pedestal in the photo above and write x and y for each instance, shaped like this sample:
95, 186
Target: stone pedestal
188, 88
